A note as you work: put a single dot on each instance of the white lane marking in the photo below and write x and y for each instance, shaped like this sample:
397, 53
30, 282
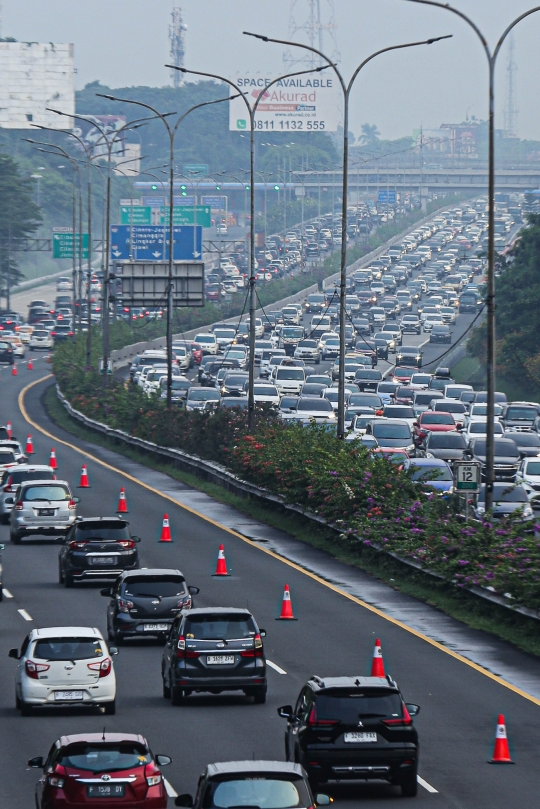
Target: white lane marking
25, 615
275, 667
7, 593
171, 792
426, 785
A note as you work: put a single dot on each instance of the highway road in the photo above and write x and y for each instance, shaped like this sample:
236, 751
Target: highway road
334, 635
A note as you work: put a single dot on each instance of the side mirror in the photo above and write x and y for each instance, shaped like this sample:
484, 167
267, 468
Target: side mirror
113, 650
107, 592
9, 501
14, 653
183, 800
262, 633
323, 800
36, 762
415, 424
2, 547
286, 711
413, 709
192, 590
76, 499
136, 539
163, 760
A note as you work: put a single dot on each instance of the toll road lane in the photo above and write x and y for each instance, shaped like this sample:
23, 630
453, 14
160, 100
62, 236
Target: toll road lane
333, 635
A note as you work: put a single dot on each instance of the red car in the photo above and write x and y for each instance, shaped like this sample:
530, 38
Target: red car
197, 352
433, 422
119, 769
403, 374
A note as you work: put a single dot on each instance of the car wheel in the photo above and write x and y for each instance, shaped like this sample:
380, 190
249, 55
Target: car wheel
166, 689
259, 696
15, 538
68, 579
110, 708
60, 574
17, 702
409, 788
178, 696
26, 708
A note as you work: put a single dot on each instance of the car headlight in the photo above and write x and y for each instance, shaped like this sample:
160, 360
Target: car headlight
527, 511
480, 509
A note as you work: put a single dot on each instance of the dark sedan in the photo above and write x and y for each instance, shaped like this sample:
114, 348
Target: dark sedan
440, 334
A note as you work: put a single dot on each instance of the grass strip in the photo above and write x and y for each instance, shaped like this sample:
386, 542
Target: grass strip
514, 628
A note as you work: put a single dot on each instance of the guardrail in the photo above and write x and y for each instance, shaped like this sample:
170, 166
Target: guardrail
220, 475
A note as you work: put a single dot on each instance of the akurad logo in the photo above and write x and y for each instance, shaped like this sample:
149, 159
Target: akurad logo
260, 94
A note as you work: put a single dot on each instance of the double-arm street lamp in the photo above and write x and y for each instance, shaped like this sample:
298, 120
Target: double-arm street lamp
490, 296
251, 110
346, 90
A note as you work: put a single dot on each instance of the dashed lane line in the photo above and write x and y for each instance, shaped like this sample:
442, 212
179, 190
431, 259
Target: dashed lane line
426, 785
7, 593
25, 615
299, 569
275, 667
171, 791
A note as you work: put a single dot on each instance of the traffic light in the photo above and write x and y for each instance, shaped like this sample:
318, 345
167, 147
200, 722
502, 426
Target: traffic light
154, 188
276, 188
183, 189
218, 188
247, 187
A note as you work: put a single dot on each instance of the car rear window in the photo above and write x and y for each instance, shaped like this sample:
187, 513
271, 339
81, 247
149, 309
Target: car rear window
348, 705
160, 586
437, 418
35, 493
68, 648
6, 457
105, 757
256, 790
219, 626
106, 530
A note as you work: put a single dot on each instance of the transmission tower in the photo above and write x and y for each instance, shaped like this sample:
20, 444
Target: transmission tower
510, 108
310, 25
177, 38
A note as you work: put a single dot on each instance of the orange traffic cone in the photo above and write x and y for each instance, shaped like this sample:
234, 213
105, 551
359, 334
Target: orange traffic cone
29, 449
52, 459
30, 365
83, 483
8, 429
14, 369
501, 753
122, 502
165, 530
286, 606
221, 567
377, 663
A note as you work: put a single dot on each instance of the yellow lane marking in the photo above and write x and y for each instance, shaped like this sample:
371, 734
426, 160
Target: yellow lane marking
276, 556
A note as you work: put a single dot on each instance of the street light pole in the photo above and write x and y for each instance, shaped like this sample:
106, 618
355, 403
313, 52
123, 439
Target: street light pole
171, 131
251, 112
346, 89
490, 297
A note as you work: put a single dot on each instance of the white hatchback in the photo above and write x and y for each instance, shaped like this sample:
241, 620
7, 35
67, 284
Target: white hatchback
64, 665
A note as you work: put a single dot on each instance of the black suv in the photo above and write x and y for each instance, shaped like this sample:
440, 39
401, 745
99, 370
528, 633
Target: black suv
214, 649
97, 548
353, 728
144, 603
6, 352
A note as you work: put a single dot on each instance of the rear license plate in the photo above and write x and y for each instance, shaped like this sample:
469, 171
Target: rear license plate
360, 737
156, 627
106, 790
220, 660
101, 560
46, 512
62, 695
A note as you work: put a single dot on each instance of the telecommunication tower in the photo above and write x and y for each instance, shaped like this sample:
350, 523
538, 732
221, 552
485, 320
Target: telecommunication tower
177, 38
510, 108
313, 23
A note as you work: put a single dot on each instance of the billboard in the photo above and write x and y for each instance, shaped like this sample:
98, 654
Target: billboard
34, 76
147, 284
109, 125
297, 104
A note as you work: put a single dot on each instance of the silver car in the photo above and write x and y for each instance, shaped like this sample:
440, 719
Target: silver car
42, 507
11, 479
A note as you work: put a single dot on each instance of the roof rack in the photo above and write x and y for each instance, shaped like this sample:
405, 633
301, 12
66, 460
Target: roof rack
317, 679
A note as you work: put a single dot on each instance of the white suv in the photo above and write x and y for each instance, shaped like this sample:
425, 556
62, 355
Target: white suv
208, 342
64, 665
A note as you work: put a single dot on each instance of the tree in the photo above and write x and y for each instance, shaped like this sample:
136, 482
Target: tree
370, 135
19, 217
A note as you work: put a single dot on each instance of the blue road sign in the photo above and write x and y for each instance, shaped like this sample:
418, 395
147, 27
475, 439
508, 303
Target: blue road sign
151, 243
387, 196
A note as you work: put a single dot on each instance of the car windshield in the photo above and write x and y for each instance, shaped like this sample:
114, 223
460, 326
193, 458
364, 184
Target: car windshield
177, 384
34, 493
293, 332
350, 704
107, 530
290, 373
264, 390
233, 381
315, 404
256, 790
20, 475
505, 494
307, 344
451, 407
533, 468
396, 412
68, 648
520, 439
371, 375
384, 430
104, 757
205, 338
226, 333
425, 473
159, 586
6, 457
521, 413
437, 418
503, 448
387, 387
224, 626
199, 395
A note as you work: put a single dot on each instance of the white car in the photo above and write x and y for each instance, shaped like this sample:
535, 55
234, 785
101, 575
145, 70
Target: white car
478, 412
478, 429
225, 338
259, 328
64, 665
312, 409
529, 474
148, 370
265, 393
208, 342
432, 320
152, 383
182, 357
288, 379
40, 338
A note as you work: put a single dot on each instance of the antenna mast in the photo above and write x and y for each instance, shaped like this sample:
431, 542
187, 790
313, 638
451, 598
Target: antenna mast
510, 108
307, 24
177, 38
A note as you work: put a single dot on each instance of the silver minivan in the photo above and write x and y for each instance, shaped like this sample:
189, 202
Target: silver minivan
42, 507
11, 479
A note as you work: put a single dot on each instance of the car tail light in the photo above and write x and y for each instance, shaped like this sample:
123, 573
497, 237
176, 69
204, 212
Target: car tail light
53, 334
19, 505
76, 544
313, 721
55, 781
8, 487
257, 651
126, 543
33, 670
404, 721
185, 603
153, 780
72, 504
182, 653
103, 666
125, 606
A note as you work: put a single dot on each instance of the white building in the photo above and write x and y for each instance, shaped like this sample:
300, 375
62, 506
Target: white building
34, 76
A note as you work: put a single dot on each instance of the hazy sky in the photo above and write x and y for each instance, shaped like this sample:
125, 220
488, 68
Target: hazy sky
125, 42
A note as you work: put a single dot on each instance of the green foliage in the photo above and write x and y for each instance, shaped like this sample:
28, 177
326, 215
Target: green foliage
19, 217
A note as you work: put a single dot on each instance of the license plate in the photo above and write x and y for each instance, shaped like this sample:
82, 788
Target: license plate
46, 512
220, 660
101, 560
360, 737
106, 790
156, 627
77, 695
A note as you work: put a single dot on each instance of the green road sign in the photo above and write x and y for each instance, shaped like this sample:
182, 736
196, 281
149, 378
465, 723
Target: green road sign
183, 215
196, 168
62, 244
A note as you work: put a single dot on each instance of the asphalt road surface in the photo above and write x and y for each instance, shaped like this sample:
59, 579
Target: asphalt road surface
334, 635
